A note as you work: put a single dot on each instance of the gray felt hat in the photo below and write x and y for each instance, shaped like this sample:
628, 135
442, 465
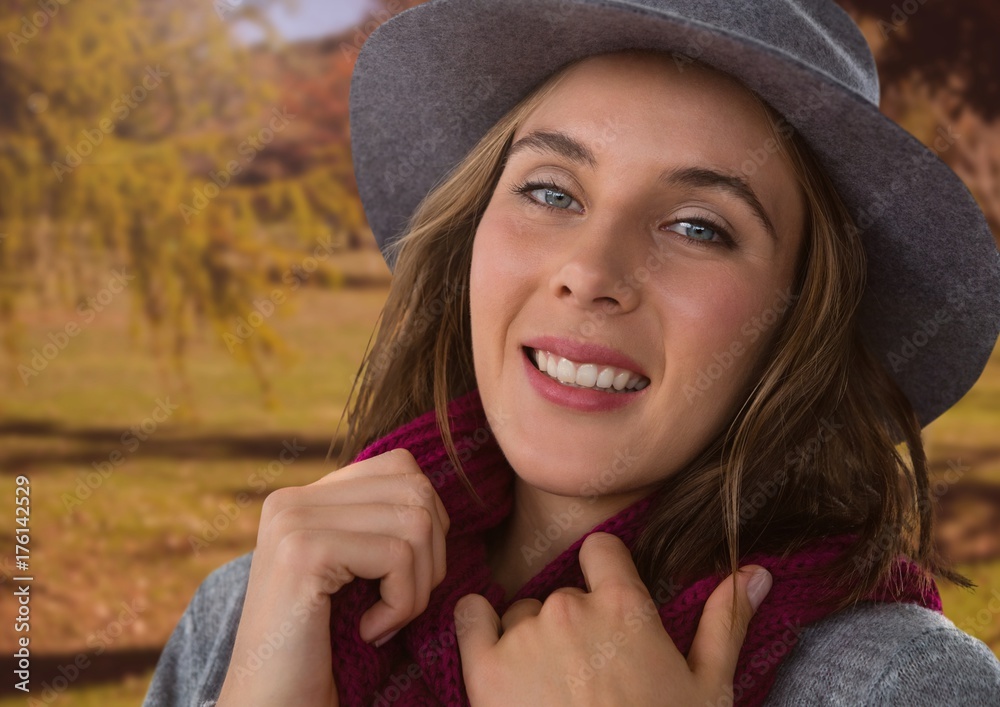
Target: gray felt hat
432, 80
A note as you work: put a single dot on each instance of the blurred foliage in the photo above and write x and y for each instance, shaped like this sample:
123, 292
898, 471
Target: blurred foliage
939, 70
948, 44
140, 135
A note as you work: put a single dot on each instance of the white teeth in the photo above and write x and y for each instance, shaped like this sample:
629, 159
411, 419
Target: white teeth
566, 371
588, 375
551, 366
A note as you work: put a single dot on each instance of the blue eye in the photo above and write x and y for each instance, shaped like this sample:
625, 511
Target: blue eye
554, 198
704, 231
698, 230
546, 194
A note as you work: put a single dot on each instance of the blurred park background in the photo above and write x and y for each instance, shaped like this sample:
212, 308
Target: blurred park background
165, 169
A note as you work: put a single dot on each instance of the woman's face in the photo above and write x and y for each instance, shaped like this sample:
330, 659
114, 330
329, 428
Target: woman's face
631, 234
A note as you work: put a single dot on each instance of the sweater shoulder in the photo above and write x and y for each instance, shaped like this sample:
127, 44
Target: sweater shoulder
194, 662
886, 653
222, 590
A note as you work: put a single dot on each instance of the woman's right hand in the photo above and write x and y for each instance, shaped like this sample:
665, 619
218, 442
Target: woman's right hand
380, 518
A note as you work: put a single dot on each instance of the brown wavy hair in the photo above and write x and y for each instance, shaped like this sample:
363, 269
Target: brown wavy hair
812, 451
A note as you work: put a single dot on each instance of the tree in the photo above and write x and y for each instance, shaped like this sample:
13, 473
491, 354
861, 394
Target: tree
130, 138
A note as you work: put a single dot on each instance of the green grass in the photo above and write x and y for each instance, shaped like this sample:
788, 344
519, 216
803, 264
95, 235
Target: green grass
104, 378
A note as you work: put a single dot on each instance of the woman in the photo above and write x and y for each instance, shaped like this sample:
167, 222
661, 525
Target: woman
691, 283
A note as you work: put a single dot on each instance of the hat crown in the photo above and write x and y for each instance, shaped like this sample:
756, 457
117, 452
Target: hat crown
816, 33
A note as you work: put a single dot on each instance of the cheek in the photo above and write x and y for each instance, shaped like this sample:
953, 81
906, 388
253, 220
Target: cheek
506, 244
504, 264
716, 319
498, 280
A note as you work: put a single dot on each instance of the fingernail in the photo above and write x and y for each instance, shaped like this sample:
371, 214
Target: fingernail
384, 637
758, 587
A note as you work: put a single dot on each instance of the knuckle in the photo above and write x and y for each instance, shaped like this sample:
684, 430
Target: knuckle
445, 519
423, 486
561, 607
399, 550
275, 501
421, 603
333, 579
295, 550
410, 611
416, 519
298, 554
403, 456
285, 521
440, 572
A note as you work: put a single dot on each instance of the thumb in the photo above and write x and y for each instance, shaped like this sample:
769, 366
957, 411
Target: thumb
715, 649
477, 625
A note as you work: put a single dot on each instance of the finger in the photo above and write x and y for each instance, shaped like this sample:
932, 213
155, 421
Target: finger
408, 489
359, 471
519, 611
388, 489
604, 558
607, 562
395, 488
407, 523
715, 649
480, 627
396, 462
332, 558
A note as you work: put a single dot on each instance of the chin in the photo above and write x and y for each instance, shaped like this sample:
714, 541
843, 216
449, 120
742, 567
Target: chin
563, 474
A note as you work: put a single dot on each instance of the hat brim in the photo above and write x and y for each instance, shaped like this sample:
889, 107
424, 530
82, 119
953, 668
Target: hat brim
430, 83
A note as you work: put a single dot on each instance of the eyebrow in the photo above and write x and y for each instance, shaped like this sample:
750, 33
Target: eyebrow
691, 177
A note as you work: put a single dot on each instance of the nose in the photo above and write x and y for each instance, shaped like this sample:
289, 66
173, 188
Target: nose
593, 273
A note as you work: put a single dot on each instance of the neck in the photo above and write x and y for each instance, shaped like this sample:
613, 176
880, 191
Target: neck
541, 526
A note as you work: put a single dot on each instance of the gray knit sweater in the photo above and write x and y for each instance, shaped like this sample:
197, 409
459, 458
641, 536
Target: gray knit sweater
870, 654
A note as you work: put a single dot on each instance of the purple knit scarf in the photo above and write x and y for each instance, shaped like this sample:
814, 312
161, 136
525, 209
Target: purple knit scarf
421, 664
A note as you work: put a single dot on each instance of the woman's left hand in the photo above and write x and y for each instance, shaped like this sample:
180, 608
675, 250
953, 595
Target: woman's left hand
605, 646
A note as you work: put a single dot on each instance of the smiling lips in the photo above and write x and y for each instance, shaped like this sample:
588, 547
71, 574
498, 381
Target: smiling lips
586, 375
